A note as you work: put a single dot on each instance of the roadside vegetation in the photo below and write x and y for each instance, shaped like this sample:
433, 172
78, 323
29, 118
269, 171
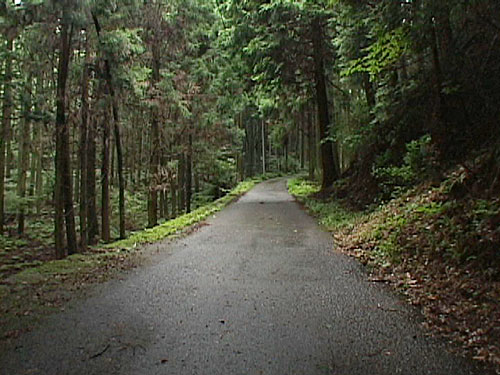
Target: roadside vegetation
436, 243
30, 290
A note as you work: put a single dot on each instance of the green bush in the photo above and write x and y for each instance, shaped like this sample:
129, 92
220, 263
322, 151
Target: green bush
330, 214
417, 165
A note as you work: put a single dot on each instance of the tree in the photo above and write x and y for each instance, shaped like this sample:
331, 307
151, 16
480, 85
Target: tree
6, 119
64, 210
116, 129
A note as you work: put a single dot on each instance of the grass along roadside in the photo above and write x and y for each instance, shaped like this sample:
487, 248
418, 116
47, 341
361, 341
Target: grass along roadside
46, 287
436, 250
174, 226
330, 214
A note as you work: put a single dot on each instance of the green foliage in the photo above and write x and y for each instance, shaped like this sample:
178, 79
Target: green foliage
331, 214
175, 226
418, 165
381, 55
302, 188
388, 236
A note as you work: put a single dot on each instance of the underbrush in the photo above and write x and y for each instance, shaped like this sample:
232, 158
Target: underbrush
438, 248
330, 213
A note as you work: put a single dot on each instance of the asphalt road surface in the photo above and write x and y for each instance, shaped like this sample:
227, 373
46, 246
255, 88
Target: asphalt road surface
259, 290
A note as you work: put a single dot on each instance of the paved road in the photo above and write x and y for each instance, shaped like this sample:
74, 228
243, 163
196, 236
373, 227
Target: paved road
256, 291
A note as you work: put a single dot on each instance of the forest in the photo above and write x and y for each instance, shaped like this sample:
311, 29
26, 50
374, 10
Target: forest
122, 115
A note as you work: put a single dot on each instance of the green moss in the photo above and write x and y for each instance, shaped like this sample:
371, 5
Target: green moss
70, 265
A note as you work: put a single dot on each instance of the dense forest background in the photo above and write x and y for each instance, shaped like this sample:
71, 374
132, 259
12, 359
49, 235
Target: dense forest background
119, 114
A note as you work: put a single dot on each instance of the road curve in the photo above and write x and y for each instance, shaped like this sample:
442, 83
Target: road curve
258, 290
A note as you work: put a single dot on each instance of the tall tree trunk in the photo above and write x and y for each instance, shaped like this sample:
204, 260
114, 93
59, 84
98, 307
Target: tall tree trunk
189, 172
23, 156
327, 158
240, 160
302, 133
162, 203
6, 119
83, 151
64, 210
155, 139
173, 188
154, 164
9, 136
92, 220
33, 160
116, 132
105, 206
263, 146
181, 184
119, 166
311, 148
285, 151
39, 171
250, 148
139, 156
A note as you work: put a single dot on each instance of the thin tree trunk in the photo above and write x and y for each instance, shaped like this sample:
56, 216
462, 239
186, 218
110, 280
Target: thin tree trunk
105, 206
39, 171
189, 173
9, 136
165, 208
112, 174
181, 184
34, 149
33, 162
154, 164
173, 188
263, 140
155, 139
83, 152
119, 159
240, 155
6, 119
302, 134
285, 151
311, 149
162, 203
139, 156
116, 128
296, 135
92, 220
64, 210
23, 157
250, 151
